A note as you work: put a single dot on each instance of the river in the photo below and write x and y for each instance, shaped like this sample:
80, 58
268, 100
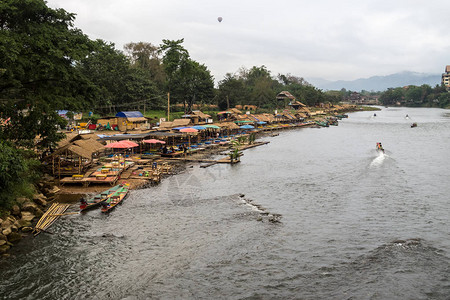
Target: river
317, 213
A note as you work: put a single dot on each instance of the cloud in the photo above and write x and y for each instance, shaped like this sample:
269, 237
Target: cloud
323, 38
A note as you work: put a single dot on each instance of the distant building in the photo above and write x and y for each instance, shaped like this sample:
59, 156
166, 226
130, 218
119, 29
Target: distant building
446, 77
358, 99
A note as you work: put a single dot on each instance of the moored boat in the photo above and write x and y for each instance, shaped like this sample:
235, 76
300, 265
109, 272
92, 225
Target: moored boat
322, 123
342, 116
115, 199
95, 201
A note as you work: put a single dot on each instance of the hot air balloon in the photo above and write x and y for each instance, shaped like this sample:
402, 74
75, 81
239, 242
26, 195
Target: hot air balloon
219, 19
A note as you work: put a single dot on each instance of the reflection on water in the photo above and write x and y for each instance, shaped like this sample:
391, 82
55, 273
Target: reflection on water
353, 224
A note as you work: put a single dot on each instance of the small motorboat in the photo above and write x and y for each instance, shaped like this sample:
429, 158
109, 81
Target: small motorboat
413, 125
380, 147
115, 199
95, 201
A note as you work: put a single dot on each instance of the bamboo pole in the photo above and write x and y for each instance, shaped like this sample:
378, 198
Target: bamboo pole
168, 107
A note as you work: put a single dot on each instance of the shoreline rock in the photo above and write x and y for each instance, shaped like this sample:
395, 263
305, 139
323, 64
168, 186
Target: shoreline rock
19, 223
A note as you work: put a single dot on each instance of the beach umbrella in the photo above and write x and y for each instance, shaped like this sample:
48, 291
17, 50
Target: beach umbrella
117, 145
130, 144
212, 126
188, 130
199, 127
247, 127
246, 121
262, 122
179, 128
153, 141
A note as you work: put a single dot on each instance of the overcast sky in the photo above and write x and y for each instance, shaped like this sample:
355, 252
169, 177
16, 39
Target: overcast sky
330, 39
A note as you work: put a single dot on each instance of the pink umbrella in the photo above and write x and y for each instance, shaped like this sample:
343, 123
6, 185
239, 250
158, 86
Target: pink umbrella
117, 145
153, 141
188, 129
129, 144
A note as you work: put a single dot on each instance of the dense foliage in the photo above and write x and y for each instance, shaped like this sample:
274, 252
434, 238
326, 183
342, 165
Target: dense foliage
17, 171
39, 51
256, 86
423, 95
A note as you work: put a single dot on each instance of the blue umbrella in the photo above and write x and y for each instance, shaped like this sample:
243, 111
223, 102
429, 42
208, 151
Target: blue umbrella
247, 127
178, 128
262, 122
198, 127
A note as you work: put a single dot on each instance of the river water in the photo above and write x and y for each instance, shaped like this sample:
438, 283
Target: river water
315, 214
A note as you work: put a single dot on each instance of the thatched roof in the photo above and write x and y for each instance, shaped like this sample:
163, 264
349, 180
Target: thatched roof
166, 124
269, 117
85, 153
181, 122
137, 120
244, 118
228, 125
235, 111
285, 94
200, 114
90, 144
68, 139
297, 103
175, 123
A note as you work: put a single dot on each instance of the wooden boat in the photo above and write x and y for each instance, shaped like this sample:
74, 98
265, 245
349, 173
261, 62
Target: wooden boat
86, 204
115, 199
322, 123
413, 125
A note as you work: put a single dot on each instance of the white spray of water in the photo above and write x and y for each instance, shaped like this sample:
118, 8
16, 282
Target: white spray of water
378, 161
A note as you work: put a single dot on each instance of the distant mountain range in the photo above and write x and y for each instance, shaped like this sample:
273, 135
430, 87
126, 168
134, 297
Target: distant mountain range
378, 83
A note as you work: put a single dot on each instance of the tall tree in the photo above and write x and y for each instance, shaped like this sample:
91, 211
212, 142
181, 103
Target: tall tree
187, 80
39, 51
231, 91
146, 56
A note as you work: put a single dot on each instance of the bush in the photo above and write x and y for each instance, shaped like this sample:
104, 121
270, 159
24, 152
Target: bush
18, 171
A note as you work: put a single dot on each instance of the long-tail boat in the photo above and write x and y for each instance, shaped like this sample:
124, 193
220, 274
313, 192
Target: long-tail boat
95, 201
115, 199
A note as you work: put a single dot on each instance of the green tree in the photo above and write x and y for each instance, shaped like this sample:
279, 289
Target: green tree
392, 96
107, 68
145, 56
39, 52
187, 80
231, 91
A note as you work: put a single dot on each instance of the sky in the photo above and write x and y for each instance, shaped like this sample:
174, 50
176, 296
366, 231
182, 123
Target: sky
329, 39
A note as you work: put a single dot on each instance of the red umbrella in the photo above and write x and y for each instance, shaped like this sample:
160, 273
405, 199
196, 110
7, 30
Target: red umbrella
153, 141
130, 144
188, 129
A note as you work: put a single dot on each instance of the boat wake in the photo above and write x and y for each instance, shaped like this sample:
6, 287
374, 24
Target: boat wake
378, 161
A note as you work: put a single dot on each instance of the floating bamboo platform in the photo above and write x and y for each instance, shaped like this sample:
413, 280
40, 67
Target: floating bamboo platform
49, 217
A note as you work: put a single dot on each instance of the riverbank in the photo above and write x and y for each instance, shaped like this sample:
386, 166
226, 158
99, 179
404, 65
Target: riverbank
23, 216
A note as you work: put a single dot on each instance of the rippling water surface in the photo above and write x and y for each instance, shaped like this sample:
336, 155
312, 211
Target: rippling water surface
353, 224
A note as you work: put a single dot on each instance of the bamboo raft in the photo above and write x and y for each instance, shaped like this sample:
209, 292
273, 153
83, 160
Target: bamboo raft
50, 216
